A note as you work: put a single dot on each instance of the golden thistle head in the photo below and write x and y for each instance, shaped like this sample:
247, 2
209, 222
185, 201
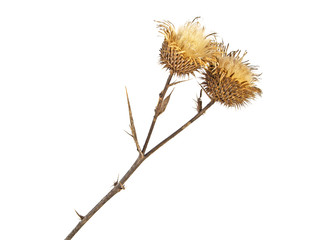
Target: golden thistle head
186, 50
230, 80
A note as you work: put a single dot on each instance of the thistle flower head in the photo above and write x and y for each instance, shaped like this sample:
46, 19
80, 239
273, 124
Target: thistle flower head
230, 80
186, 50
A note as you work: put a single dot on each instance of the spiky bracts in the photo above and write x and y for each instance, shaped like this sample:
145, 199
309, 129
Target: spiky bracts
186, 50
229, 80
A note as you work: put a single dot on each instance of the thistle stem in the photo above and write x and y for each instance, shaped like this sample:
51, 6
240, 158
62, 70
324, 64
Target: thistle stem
157, 110
120, 185
199, 114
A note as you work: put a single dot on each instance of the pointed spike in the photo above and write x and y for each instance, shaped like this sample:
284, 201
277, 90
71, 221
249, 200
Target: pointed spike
116, 182
132, 127
80, 216
177, 82
128, 133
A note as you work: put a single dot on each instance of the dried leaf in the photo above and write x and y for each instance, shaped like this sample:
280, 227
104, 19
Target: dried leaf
165, 103
132, 127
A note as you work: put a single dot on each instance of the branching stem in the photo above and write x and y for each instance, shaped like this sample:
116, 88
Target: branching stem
120, 184
199, 114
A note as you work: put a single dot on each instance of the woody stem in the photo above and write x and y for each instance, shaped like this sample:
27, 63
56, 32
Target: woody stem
199, 114
157, 111
120, 185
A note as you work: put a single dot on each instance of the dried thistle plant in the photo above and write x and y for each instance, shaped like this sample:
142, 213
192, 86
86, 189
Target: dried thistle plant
227, 79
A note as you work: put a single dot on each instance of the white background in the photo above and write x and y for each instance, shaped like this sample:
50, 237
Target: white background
261, 172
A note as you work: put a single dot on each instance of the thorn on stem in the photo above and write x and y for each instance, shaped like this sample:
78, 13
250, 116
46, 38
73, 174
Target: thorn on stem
80, 216
122, 187
116, 182
128, 133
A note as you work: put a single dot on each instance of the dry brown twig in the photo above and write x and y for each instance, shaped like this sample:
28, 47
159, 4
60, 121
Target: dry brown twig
226, 79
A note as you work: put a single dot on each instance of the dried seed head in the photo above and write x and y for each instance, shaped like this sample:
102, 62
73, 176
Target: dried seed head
186, 50
229, 80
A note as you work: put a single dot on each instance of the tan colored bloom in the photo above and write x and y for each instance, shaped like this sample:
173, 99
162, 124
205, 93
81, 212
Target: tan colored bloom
186, 50
230, 80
